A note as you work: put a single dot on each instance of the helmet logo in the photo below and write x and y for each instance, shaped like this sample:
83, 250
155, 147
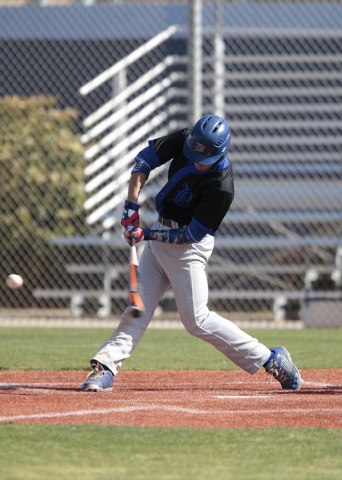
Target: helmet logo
199, 148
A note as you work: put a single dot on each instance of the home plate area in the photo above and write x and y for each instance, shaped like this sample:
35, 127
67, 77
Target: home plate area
164, 398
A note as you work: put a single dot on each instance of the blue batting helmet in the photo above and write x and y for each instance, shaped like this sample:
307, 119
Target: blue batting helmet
208, 140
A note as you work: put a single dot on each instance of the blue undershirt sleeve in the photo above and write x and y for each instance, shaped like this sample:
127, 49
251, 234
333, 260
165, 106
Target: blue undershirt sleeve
193, 233
197, 231
146, 160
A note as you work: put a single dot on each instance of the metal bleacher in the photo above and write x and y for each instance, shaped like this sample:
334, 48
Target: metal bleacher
285, 115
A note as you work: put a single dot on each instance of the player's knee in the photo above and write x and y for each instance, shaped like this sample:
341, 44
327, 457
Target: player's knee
191, 328
194, 327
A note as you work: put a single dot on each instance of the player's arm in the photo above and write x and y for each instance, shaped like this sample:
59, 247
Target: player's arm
130, 214
145, 161
136, 183
196, 231
157, 153
193, 233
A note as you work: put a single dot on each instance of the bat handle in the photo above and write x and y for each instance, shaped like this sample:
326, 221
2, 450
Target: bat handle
132, 241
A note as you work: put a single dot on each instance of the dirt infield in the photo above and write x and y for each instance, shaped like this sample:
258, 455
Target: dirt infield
204, 399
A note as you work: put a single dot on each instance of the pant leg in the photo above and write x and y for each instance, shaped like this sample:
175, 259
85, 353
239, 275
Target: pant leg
185, 268
130, 330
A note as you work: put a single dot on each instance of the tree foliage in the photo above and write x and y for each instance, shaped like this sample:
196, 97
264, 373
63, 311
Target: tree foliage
41, 168
41, 178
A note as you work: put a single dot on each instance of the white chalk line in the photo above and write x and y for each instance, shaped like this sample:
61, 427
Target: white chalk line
244, 396
170, 408
48, 388
30, 385
174, 384
321, 385
104, 412
41, 388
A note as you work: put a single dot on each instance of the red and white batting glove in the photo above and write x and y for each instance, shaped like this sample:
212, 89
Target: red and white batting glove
136, 232
130, 215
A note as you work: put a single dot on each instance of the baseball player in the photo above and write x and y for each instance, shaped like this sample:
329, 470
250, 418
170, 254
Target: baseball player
191, 207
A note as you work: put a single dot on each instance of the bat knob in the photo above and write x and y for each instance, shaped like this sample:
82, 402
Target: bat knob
135, 311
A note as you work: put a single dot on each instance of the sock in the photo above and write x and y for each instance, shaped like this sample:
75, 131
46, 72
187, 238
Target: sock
106, 368
94, 362
270, 358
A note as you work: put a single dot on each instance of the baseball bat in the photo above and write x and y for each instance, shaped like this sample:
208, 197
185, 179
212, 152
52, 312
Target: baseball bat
136, 305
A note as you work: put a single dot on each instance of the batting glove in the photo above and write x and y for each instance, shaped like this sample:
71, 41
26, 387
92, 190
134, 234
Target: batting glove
130, 215
136, 232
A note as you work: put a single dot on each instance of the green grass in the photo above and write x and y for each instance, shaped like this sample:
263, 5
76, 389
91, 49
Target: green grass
71, 349
42, 452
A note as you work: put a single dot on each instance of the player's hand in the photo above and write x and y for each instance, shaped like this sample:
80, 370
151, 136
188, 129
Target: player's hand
133, 232
130, 215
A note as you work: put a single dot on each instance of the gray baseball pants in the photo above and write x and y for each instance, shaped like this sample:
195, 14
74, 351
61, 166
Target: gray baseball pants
182, 266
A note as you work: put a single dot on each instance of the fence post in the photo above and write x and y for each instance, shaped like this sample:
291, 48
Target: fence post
195, 60
219, 61
119, 84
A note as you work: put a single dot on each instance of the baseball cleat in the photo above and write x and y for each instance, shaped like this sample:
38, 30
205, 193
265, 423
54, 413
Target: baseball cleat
284, 370
98, 380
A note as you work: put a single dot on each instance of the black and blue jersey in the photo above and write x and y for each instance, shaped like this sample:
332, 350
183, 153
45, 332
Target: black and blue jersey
190, 197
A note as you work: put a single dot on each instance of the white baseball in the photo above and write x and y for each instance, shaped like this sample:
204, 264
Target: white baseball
14, 281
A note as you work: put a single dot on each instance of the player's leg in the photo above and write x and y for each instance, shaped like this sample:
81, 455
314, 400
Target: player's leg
185, 267
130, 329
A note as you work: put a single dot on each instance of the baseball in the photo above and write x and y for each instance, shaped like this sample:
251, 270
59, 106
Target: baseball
14, 281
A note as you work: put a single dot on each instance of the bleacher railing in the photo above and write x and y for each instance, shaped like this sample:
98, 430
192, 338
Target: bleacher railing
130, 121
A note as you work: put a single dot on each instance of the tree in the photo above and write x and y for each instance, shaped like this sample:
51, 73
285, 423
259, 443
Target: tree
42, 186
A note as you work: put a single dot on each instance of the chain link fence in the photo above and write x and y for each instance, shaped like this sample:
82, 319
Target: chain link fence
85, 87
